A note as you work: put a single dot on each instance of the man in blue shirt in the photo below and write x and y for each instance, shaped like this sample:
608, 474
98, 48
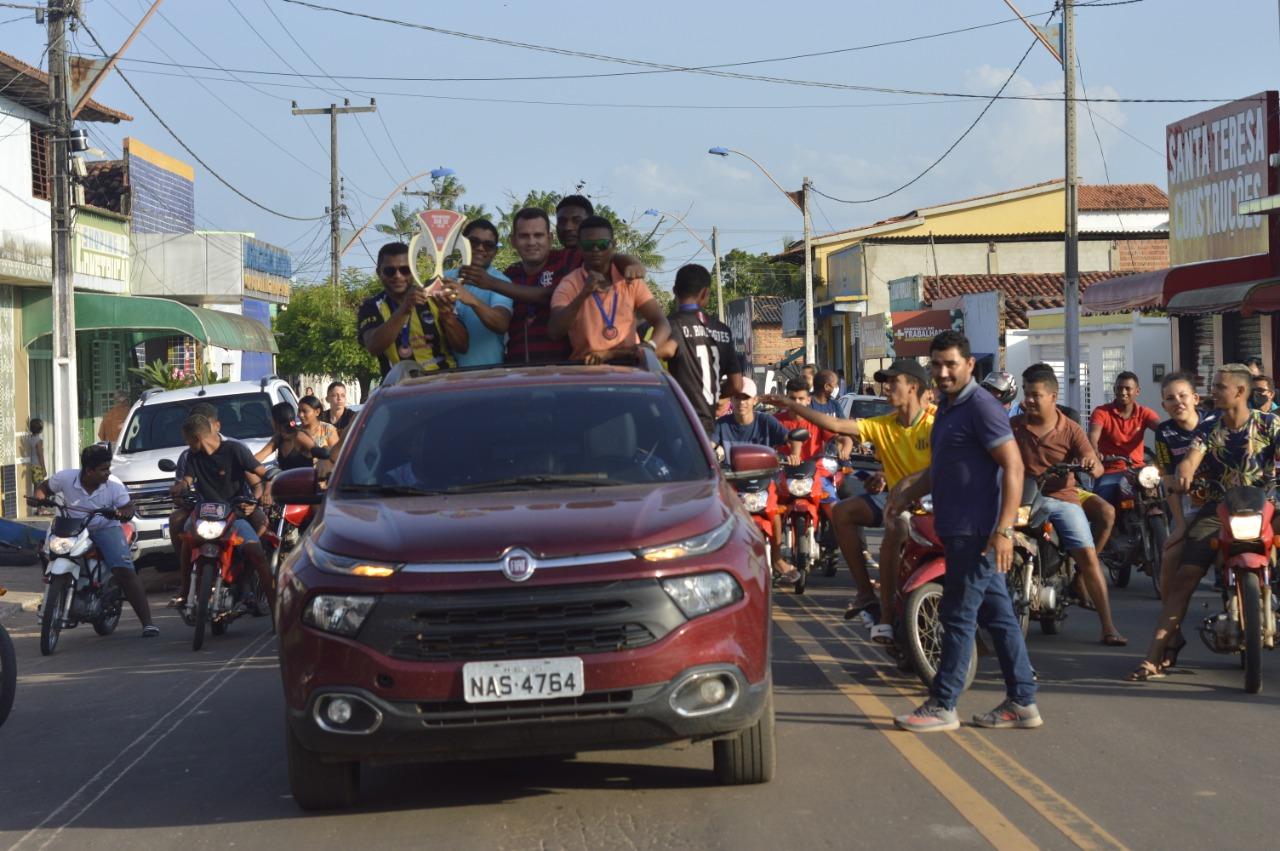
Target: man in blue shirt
976, 476
485, 313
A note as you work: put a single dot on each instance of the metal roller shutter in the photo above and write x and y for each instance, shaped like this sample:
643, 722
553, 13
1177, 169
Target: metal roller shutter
1206, 355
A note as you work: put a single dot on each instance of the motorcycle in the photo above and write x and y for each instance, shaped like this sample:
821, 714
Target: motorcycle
1246, 554
8, 671
221, 589
918, 600
286, 525
1142, 525
1042, 570
79, 587
799, 498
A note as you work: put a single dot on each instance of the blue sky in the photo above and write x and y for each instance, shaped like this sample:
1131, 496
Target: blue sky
646, 153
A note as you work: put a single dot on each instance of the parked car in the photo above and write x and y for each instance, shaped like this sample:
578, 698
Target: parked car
522, 562
153, 431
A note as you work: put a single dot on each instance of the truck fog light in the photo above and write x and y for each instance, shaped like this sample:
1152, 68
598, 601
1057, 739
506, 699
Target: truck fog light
339, 710
704, 693
712, 691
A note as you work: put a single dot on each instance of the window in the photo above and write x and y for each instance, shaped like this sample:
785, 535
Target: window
41, 163
242, 416
1113, 363
539, 436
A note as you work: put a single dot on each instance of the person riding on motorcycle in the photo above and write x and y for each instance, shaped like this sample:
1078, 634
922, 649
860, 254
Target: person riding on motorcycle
819, 438
1046, 438
902, 445
1117, 428
744, 425
93, 487
1239, 448
220, 470
1003, 386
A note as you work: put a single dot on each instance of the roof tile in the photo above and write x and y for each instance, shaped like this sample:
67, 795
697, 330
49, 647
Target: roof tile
1022, 292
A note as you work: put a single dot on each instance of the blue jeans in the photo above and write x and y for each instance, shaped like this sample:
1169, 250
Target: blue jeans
1071, 524
974, 594
1108, 487
111, 544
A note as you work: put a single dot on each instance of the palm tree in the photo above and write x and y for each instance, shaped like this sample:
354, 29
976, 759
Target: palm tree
405, 222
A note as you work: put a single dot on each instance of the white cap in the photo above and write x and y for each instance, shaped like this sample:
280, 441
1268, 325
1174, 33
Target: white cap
749, 387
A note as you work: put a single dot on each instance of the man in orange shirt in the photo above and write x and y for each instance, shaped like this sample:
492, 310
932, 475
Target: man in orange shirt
599, 310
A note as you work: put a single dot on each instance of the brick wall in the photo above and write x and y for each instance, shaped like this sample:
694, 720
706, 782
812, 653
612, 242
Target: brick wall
769, 346
1141, 255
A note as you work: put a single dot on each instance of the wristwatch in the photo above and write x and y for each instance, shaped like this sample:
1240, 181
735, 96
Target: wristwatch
1007, 531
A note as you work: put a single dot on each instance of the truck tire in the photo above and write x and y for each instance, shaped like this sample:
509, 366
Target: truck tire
316, 784
750, 756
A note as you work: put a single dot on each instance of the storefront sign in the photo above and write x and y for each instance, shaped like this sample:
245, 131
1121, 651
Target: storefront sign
270, 285
904, 293
913, 330
738, 319
876, 336
1215, 160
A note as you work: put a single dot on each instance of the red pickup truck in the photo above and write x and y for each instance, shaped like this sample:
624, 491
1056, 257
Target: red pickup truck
519, 562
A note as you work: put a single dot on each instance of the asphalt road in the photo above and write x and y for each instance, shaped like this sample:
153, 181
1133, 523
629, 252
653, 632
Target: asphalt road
124, 743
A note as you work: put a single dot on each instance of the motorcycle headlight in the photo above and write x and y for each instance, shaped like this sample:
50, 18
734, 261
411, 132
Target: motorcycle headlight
1149, 477
337, 613
708, 542
348, 566
802, 486
702, 593
1246, 527
61, 546
210, 530
756, 501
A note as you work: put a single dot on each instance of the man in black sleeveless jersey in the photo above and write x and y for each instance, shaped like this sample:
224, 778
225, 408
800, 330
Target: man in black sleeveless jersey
704, 347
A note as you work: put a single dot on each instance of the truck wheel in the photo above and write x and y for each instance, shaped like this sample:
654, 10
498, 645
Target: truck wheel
748, 757
319, 785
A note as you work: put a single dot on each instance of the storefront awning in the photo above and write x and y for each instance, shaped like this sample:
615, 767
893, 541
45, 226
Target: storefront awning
154, 316
1132, 292
1242, 297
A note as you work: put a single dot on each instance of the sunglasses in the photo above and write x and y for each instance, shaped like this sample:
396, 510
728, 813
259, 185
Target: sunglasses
390, 271
594, 244
483, 244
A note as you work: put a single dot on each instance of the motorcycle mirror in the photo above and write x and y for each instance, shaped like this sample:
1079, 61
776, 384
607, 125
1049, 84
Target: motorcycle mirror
799, 434
167, 465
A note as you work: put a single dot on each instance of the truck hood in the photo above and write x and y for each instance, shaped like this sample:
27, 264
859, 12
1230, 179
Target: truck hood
547, 523
141, 467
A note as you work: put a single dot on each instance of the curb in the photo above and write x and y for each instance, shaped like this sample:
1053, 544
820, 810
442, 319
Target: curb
16, 602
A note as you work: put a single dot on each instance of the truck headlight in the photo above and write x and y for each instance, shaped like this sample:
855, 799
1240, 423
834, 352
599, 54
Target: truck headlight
337, 613
349, 566
1246, 527
702, 593
801, 486
707, 542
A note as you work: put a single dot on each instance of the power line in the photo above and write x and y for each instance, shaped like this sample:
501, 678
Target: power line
599, 57
954, 144
217, 175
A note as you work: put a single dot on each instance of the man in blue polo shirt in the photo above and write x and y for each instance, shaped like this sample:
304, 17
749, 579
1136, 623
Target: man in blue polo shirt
976, 476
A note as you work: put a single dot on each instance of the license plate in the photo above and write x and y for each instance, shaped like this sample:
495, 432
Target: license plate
164, 530
521, 679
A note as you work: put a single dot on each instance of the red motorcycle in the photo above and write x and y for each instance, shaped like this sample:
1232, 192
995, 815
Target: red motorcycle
285, 524
1246, 547
918, 600
799, 500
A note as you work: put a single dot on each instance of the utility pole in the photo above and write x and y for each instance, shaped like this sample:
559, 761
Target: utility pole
715, 255
1071, 325
335, 200
66, 410
809, 353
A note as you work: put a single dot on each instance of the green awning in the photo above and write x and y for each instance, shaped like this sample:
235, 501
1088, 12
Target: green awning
157, 316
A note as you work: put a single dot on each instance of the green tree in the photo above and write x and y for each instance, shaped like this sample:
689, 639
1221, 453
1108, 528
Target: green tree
317, 333
747, 274
404, 222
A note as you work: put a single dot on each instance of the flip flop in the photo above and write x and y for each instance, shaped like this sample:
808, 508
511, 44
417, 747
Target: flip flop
1145, 671
859, 605
1115, 639
1170, 658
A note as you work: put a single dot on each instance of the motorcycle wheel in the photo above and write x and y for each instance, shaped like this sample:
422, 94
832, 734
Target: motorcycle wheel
1051, 624
924, 634
204, 586
1120, 573
1016, 579
8, 674
55, 601
111, 608
804, 555
219, 625
1155, 564
1251, 615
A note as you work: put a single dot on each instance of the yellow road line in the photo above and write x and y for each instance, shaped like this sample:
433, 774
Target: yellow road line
1043, 798
976, 809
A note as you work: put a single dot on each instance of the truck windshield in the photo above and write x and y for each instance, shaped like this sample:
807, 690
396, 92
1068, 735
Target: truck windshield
523, 438
246, 416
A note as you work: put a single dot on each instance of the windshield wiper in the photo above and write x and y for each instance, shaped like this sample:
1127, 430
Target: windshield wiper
389, 490
540, 480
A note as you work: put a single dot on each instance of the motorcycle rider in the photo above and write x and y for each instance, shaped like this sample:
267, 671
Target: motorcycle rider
1047, 437
902, 445
220, 470
1264, 394
826, 387
819, 437
1117, 428
93, 487
743, 425
1239, 448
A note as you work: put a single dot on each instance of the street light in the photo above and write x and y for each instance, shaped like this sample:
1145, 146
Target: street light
440, 171
803, 203
713, 248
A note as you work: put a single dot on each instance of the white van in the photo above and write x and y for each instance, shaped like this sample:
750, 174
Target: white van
153, 431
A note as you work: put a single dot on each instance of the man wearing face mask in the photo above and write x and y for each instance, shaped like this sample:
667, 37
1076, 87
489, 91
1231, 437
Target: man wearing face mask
1263, 397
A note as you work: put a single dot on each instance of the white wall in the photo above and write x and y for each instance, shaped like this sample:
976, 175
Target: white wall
1124, 220
24, 220
216, 358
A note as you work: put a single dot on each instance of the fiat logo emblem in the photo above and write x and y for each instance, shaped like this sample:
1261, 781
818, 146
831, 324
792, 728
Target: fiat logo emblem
518, 565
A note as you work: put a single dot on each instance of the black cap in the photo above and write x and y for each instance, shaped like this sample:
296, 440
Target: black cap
904, 366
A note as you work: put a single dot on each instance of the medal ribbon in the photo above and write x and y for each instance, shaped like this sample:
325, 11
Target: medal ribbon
613, 311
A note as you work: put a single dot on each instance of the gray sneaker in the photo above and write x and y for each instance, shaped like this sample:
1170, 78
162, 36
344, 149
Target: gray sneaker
1010, 714
929, 717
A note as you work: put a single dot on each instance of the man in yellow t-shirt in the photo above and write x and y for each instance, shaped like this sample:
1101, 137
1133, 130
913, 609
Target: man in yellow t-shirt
901, 441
